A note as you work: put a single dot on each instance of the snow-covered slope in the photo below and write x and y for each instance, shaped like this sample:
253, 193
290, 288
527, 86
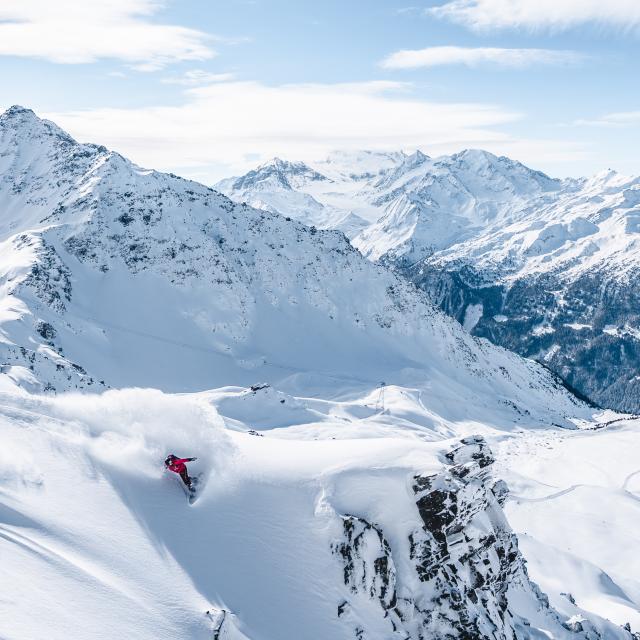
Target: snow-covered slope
293, 535
331, 505
118, 275
575, 503
589, 223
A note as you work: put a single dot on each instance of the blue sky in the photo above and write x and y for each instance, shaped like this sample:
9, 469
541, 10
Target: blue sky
209, 88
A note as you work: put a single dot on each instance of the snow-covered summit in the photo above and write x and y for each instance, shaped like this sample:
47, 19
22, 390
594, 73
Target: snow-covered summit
275, 174
20, 120
283, 187
120, 275
360, 165
434, 203
414, 204
323, 194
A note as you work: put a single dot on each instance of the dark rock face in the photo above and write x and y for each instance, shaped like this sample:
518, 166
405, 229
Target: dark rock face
464, 577
468, 565
49, 278
364, 540
585, 331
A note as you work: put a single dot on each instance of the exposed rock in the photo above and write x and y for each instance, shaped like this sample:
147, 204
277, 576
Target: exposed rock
467, 580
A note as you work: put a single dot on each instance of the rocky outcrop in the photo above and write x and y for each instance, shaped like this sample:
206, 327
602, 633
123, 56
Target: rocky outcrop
368, 568
464, 576
585, 330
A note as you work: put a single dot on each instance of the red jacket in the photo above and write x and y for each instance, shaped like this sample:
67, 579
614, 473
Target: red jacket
178, 464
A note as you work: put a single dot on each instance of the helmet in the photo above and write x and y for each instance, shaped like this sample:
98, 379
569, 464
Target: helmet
169, 459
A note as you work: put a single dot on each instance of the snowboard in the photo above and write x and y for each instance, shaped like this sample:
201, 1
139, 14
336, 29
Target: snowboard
191, 494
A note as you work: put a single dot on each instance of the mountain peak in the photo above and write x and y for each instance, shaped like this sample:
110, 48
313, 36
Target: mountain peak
285, 165
18, 110
474, 156
362, 164
417, 155
21, 121
414, 160
275, 162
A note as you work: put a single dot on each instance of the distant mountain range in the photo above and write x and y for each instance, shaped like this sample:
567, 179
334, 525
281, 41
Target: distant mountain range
541, 266
114, 275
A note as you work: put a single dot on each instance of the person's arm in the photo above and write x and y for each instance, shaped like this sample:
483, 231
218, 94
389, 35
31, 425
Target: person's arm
183, 460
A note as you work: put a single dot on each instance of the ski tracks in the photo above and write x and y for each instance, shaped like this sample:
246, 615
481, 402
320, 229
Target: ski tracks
627, 480
573, 487
551, 496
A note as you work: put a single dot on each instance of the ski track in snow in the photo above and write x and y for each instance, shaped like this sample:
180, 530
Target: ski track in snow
628, 479
590, 521
551, 496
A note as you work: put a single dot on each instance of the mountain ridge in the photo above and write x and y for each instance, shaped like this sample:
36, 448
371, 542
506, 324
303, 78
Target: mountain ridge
541, 266
112, 244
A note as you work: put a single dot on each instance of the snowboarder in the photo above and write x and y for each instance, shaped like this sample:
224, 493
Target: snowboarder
177, 465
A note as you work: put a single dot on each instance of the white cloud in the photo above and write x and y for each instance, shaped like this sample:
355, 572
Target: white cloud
620, 119
535, 14
476, 56
225, 127
73, 31
196, 77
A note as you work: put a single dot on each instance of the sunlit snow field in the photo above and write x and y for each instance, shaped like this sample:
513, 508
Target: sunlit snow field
96, 536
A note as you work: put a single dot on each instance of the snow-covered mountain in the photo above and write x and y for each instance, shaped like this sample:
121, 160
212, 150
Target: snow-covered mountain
556, 283
543, 267
279, 186
331, 505
121, 276
334, 194
428, 205
414, 205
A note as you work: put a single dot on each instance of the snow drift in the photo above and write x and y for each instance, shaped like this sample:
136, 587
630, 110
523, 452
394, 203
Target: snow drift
289, 537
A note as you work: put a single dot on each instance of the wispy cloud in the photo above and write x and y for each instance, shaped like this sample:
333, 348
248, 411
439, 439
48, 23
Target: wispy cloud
476, 56
196, 77
219, 126
621, 119
408, 11
536, 14
72, 32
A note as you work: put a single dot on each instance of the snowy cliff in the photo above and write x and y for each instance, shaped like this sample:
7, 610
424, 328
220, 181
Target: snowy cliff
292, 535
